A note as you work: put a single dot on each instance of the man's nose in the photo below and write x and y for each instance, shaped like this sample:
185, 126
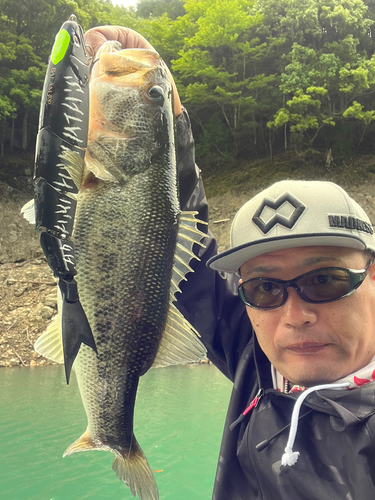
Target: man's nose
296, 312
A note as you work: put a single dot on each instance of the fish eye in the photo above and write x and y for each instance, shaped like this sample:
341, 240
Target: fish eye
155, 94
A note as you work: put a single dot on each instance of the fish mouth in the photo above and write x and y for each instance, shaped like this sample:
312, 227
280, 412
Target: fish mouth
134, 64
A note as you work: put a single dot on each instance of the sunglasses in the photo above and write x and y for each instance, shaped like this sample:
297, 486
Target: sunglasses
317, 287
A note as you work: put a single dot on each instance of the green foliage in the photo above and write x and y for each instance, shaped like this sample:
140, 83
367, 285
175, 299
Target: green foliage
214, 137
215, 64
255, 75
326, 69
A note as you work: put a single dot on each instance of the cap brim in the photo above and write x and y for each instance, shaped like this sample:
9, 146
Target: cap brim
231, 260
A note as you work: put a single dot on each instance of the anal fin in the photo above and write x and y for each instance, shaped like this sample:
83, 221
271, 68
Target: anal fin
83, 443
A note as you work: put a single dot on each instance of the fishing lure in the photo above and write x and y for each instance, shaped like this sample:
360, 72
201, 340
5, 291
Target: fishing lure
63, 129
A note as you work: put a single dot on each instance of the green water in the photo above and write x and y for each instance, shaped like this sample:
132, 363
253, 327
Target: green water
179, 418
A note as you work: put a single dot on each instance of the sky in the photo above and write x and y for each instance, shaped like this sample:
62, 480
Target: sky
125, 3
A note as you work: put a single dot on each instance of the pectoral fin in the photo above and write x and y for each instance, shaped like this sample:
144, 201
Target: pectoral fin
75, 165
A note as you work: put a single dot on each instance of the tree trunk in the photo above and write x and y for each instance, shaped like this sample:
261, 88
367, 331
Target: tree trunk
24, 130
270, 144
11, 145
255, 130
362, 137
285, 138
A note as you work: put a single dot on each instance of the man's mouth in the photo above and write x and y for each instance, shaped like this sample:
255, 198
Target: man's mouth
306, 347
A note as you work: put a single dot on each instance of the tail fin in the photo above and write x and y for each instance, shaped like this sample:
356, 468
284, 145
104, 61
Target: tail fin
131, 466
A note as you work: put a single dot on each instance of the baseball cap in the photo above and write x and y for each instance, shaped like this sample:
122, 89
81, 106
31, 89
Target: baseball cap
292, 214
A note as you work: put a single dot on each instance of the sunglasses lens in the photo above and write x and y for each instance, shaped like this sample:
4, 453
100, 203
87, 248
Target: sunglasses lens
261, 293
325, 285
322, 285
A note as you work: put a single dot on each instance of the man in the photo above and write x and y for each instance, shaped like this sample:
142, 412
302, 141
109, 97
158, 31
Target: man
301, 419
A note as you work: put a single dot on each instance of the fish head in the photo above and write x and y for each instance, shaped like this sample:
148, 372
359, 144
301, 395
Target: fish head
131, 112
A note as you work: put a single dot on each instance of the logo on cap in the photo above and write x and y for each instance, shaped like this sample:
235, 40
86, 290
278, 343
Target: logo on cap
349, 222
277, 218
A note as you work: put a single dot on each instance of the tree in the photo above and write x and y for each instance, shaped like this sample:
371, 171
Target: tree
215, 68
26, 93
326, 69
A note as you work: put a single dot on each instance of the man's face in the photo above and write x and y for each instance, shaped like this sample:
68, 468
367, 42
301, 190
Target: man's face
315, 343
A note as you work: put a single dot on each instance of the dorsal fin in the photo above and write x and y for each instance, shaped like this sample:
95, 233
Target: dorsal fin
188, 235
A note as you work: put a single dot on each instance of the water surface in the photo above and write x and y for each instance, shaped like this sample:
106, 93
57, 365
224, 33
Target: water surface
179, 419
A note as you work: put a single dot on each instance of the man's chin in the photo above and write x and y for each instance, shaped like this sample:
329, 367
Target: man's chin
309, 378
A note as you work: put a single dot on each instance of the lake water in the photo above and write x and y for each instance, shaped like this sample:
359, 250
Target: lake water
179, 419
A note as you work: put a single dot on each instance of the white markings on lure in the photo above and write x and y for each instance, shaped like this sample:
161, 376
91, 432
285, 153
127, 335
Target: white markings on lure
64, 209
65, 215
68, 258
73, 106
61, 228
72, 84
68, 118
75, 99
63, 184
71, 133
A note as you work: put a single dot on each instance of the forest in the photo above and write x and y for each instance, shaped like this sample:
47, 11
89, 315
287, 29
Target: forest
258, 77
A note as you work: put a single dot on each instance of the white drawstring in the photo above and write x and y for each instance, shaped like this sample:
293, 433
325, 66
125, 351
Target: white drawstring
290, 457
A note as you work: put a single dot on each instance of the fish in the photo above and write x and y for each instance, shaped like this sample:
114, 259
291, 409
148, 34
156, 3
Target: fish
133, 247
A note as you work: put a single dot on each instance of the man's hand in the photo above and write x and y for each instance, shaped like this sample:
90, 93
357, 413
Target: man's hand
129, 39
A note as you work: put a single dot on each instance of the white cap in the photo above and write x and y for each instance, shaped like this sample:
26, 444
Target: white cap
292, 214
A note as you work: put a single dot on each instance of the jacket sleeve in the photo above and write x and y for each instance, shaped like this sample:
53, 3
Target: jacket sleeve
209, 300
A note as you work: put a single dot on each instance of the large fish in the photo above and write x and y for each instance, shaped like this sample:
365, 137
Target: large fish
133, 246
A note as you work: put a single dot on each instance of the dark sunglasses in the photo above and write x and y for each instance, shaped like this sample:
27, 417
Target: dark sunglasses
317, 287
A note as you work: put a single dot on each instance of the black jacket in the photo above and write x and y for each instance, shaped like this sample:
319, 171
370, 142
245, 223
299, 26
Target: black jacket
336, 430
